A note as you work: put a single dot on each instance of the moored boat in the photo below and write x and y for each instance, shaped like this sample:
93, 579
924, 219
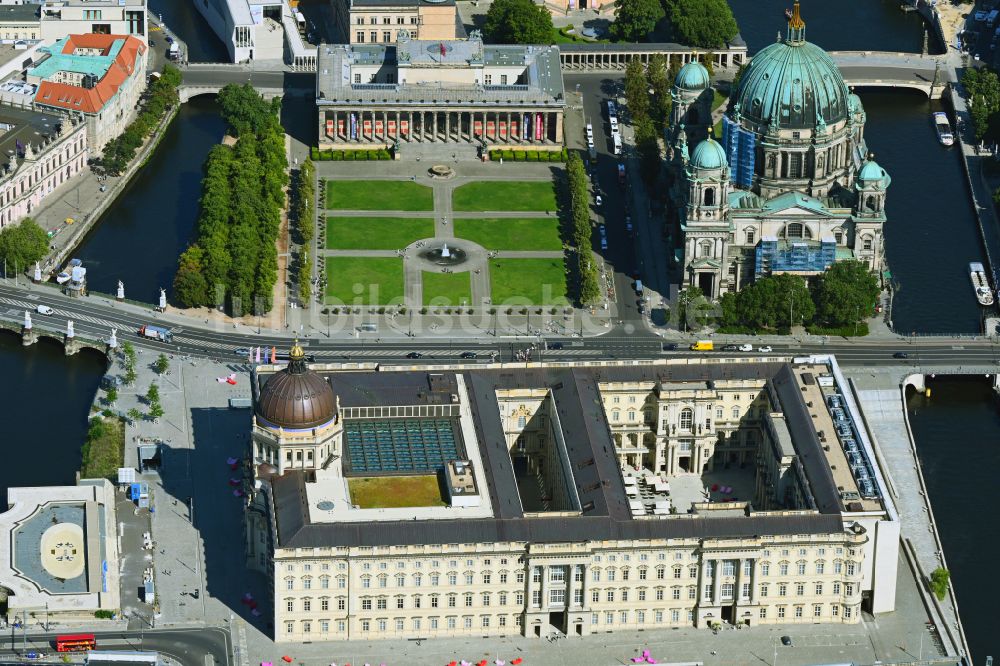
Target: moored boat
943, 128
980, 284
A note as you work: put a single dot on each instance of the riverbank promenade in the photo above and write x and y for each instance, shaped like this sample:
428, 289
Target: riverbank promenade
882, 399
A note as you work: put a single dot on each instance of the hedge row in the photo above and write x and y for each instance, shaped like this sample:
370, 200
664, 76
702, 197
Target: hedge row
528, 155
349, 155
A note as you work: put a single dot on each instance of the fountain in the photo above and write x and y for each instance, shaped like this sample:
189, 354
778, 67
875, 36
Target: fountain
442, 255
441, 171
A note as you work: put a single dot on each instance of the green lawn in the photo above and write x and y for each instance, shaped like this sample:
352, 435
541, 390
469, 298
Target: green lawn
104, 449
376, 233
378, 195
450, 289
381, 280
517, 233
540, 281
505, 195
386, 492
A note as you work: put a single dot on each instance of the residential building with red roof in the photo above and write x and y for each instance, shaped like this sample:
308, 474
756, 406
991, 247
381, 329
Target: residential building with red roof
97, 77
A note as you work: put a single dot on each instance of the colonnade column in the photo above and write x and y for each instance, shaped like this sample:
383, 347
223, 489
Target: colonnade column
447, 126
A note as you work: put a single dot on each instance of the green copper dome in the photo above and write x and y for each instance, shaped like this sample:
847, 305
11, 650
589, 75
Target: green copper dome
871, 174
708, 154
793, 84
692, 76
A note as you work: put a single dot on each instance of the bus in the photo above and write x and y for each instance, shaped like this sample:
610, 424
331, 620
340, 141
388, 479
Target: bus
76, 643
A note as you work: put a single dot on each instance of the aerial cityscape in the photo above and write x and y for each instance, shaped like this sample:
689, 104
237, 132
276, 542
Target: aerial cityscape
488, 332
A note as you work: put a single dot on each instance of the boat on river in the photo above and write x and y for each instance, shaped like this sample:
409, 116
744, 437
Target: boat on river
943, 128
980, 284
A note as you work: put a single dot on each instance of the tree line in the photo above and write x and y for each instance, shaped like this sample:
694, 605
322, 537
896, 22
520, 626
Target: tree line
233, 261
160, 96
832, 302
649, 111
702, 24
303, 217
587, 278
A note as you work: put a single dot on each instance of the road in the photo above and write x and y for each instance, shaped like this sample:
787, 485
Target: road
93, 318
190, 647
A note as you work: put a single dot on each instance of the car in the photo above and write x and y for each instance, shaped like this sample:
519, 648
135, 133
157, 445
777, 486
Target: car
786, 640
746, 347
979, 16
604, 242
555, 345
731, 348
599, 200
642, 308
414, 355
34, 655
901, 355
669, 346
44, 310
765, 349
603, 230
468, 354
242, 351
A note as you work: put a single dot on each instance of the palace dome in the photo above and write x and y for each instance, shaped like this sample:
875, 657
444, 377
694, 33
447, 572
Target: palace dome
296, 398
793, 84
709, 154
692, 76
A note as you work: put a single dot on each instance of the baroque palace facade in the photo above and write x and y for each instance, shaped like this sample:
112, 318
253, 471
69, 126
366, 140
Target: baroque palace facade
790, 187
748, 503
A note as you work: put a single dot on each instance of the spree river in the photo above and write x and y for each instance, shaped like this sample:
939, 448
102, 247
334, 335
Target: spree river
930, 238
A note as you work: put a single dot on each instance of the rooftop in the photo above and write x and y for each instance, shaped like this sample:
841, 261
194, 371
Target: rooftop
19, 127
604, 505
20, 13
115, 64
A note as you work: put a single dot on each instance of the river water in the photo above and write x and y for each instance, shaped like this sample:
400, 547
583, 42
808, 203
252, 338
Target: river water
930, 238
957, 431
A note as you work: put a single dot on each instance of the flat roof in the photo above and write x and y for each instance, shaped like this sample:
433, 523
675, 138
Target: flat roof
19, 127
606, 514
21, 13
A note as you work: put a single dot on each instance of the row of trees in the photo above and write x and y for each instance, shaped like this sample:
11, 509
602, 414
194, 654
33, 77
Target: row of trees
842, 296
983, 90
705, 24
580, 229
649, 112
234, 260
21, 245
160, 96
303, 217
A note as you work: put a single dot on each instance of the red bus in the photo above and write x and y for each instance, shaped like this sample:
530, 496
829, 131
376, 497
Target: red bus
76, 643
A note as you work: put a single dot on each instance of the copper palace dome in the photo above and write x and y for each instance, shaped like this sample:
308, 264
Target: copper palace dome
296, 398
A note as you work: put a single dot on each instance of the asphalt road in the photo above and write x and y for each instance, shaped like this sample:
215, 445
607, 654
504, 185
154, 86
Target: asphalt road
93, 319
188, 646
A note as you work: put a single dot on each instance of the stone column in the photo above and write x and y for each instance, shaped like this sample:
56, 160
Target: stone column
559, 128
717, 584
447, 126
545, 580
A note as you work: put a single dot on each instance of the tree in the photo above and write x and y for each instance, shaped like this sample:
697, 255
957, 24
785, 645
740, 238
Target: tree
634, 19
845, 294
738, 75
939, 582
155, 411
190, 285
246, 111
21, 245
636, 90
153, 394
983, 89
162, 364
774, 301
517, 22
706, 24
659, 83
111, 395
134, 415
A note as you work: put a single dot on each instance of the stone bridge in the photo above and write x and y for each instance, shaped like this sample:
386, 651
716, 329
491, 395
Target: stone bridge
210, 78
882, 69
31, 329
